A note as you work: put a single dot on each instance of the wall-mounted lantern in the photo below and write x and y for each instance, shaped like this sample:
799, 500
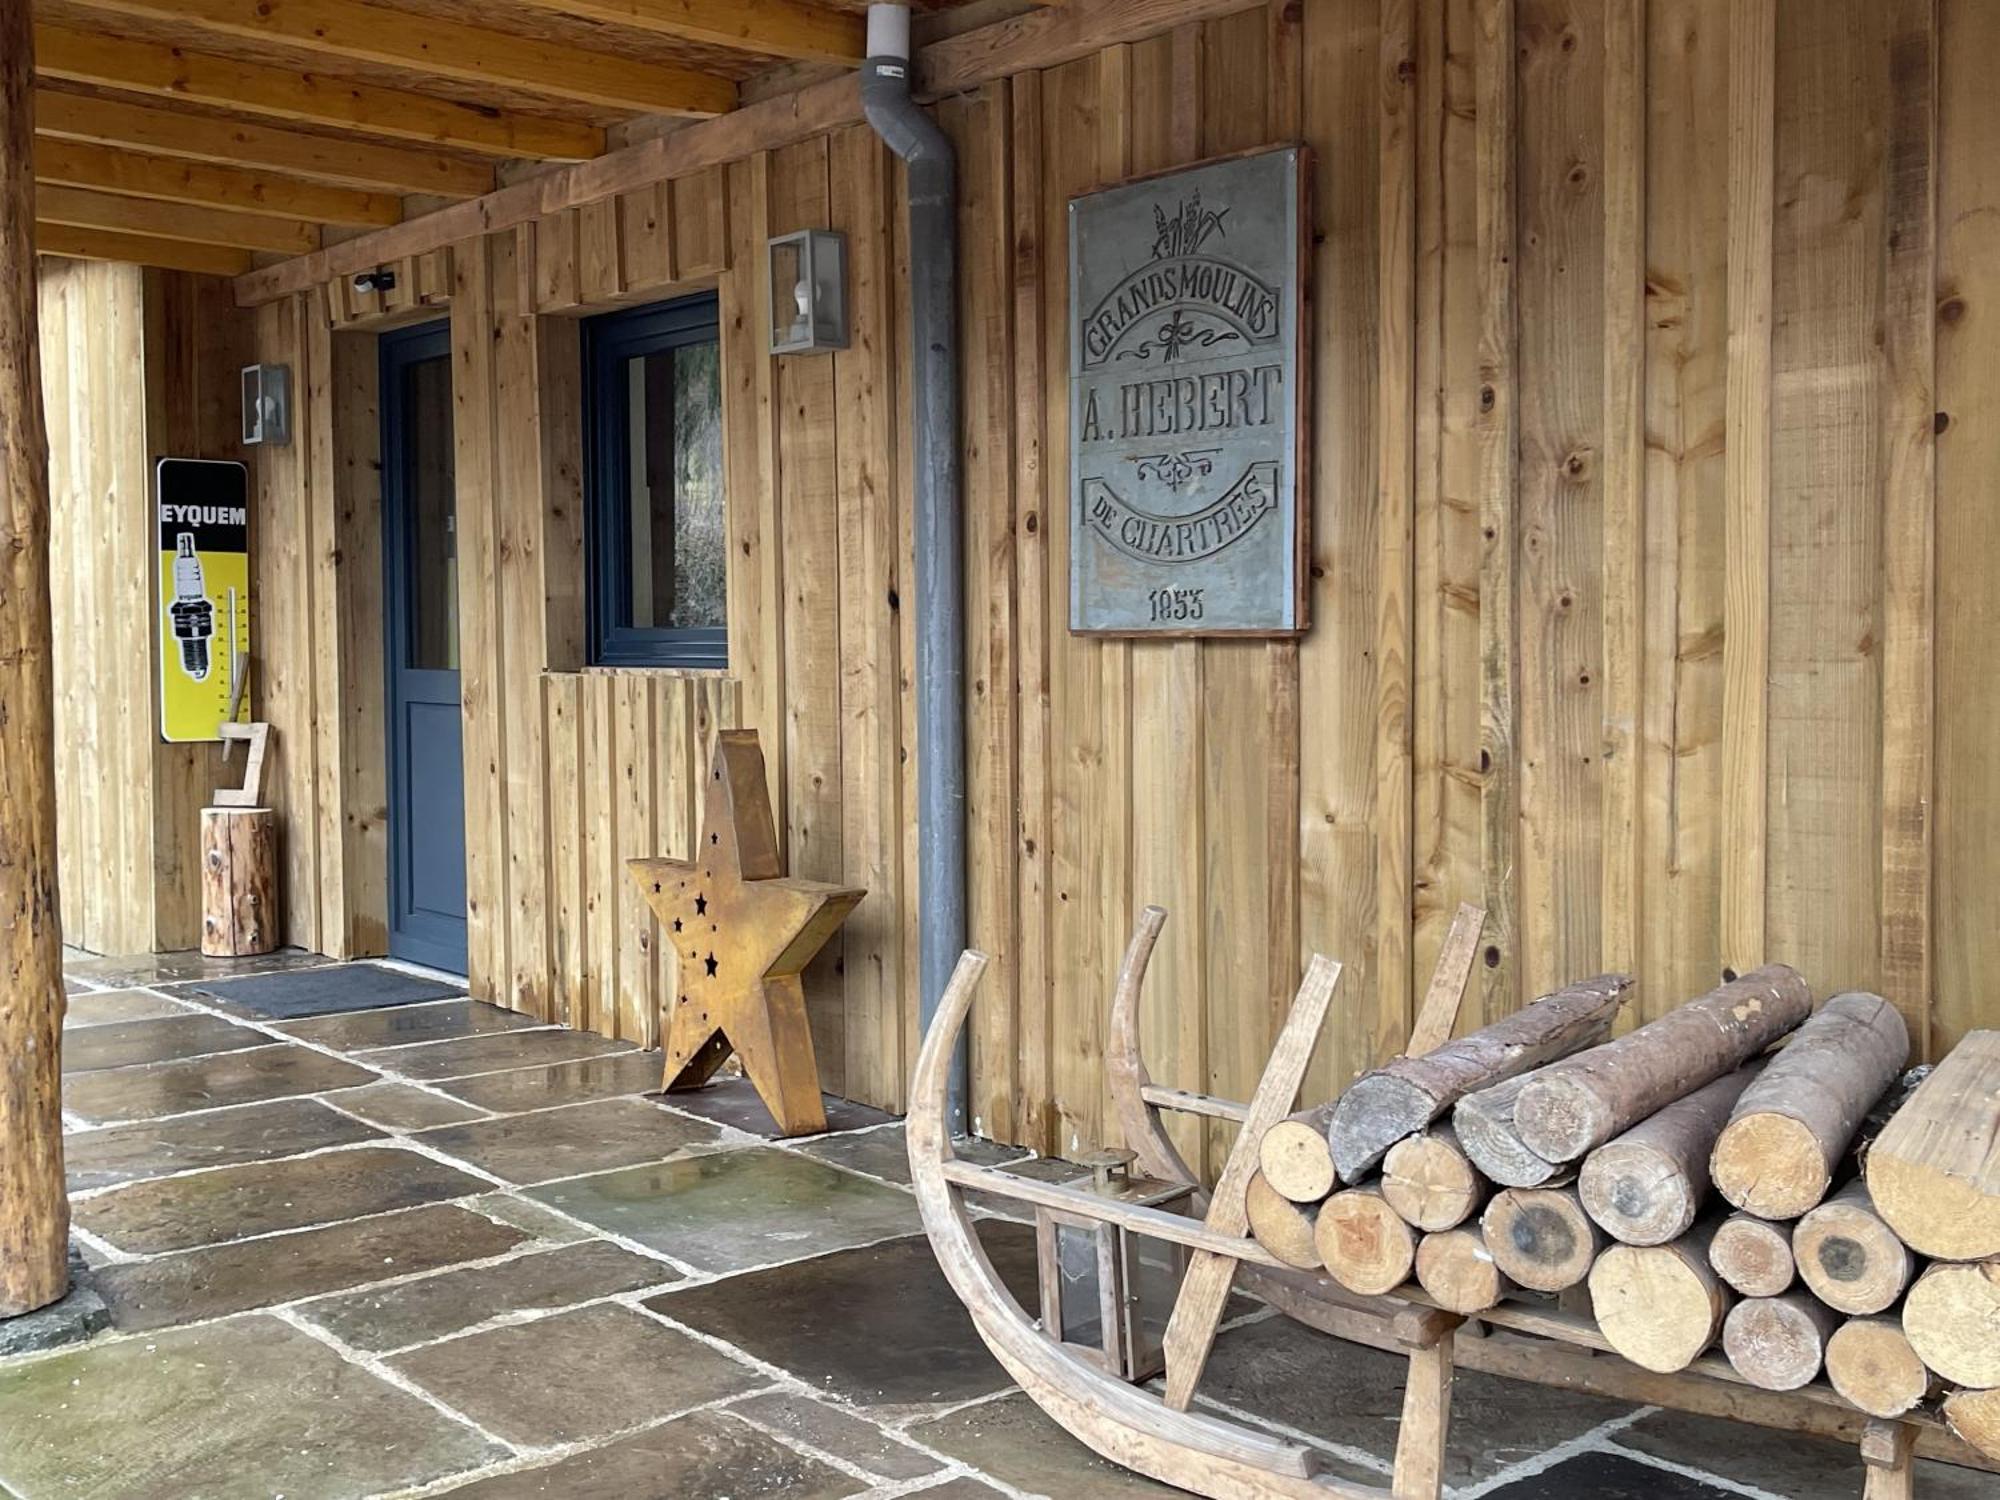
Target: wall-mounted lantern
808, 292
267, 404
1107, 1293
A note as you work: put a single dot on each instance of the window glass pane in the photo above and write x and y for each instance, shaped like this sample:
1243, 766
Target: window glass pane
676, 555
433, 540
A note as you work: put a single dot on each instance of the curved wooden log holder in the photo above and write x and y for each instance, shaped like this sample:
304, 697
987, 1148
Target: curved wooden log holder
1220, 1459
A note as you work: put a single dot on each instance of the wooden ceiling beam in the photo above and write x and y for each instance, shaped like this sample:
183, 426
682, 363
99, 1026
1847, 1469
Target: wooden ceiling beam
439, 48
138, 250
113, 122
80, 208
284, 94
138, 174
775, 28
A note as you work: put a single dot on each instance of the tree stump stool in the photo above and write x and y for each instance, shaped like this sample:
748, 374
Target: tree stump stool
239, 881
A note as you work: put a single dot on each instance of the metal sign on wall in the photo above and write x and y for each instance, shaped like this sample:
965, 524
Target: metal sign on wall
1187, 390
204, 531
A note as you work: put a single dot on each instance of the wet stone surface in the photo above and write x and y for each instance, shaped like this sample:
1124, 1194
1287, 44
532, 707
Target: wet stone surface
433, 1307
122, 1044
884, 1152
256, 1132
246, 1408
1607, 1476
702, 1456
1793, 1465
233, 1202
107, 1007
196, 1284
830, 1430
1010, 1439
919, 1348
563, 1083
573, 1375
328, 989
729, 1210
401, 1025
466, 1056
577, 1138
404, 1106
274, 1072
734, 1102
185, 966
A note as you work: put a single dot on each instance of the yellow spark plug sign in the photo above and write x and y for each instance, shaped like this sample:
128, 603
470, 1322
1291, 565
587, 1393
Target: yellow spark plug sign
203, 509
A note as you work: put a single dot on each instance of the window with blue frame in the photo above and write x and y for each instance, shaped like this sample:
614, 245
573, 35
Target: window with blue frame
658, 536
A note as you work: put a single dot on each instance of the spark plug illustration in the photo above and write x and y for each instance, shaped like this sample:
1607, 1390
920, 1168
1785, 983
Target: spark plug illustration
192, 615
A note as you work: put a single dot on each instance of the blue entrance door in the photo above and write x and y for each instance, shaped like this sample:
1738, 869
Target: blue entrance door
420, 550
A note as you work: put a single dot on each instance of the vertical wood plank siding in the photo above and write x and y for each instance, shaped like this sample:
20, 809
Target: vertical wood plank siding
1653, 528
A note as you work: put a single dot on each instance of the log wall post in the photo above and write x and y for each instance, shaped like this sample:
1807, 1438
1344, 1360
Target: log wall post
34, 1212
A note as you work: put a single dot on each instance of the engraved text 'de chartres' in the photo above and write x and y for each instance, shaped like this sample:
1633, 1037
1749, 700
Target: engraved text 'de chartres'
1185, 450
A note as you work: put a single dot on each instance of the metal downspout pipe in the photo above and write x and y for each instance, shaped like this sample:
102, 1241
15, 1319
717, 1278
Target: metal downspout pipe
939, 515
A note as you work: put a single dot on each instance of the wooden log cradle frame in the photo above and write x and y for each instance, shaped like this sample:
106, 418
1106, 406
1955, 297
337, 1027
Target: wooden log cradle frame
1164, 1440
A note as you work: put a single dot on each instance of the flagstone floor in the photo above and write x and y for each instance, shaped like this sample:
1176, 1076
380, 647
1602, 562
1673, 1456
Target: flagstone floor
437, 1249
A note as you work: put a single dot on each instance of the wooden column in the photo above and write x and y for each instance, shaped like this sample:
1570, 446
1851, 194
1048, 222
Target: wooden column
34, 1212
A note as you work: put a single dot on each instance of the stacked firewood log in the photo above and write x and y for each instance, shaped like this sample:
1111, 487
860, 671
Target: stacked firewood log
1746, 1172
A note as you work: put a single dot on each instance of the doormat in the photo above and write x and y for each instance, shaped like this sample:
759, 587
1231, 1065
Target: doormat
325, 992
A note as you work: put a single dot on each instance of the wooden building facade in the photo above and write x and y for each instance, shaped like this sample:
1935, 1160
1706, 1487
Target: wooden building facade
1655, 432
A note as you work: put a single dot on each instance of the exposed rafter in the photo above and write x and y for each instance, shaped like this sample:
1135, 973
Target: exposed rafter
236, 143
85, 164
138, 250
776, 28
83, 209
440, 48
284, 94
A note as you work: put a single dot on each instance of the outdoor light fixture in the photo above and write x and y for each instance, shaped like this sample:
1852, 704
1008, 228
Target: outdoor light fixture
1107, 1294
808, 284
267, 405
381, 280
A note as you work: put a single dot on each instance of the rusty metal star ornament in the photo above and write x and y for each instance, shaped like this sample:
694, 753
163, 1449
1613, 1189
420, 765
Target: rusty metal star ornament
742, 931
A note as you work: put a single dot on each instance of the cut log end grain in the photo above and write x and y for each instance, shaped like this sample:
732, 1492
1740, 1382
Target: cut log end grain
1281, 1226
1295, 1158
1541, 1237
1459, 1272
1575, 1105
1952, 1316
1778, 1343
1975, 1417
1645, 1187
1659, 1306
1753, 1255
1870, 1362
1428, 1180
1484, 1123
1364, 1243
1851, 1259
1795, 1123
1933, 1171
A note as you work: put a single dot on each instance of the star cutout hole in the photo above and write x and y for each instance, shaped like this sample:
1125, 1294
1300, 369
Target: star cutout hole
701, 906
711, 965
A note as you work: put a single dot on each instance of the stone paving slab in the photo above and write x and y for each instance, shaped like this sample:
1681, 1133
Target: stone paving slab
1011, 1440
256, 1132
331, 989
400, 1025
123, 1044
960, 1488
194, 1285
702, 1456
572, 1140
734, 1102
204, 1208
1350, 1395
545, 1225
466, 1056
249, 1408
105, 1007
185, 967
877, 1326
564, 1083
278, 1071
380, 1319
885, 1153
404, 1106
573, 1375
732, 1209
826, 1427
1794, 1465
1608, 1476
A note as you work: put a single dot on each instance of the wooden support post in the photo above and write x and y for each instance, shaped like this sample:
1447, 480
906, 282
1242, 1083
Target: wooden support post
34, 1210
1198, 1309
1426, 1426
1888, 1450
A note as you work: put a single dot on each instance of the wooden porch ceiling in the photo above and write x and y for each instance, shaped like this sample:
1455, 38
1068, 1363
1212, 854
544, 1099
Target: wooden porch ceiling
212, 135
